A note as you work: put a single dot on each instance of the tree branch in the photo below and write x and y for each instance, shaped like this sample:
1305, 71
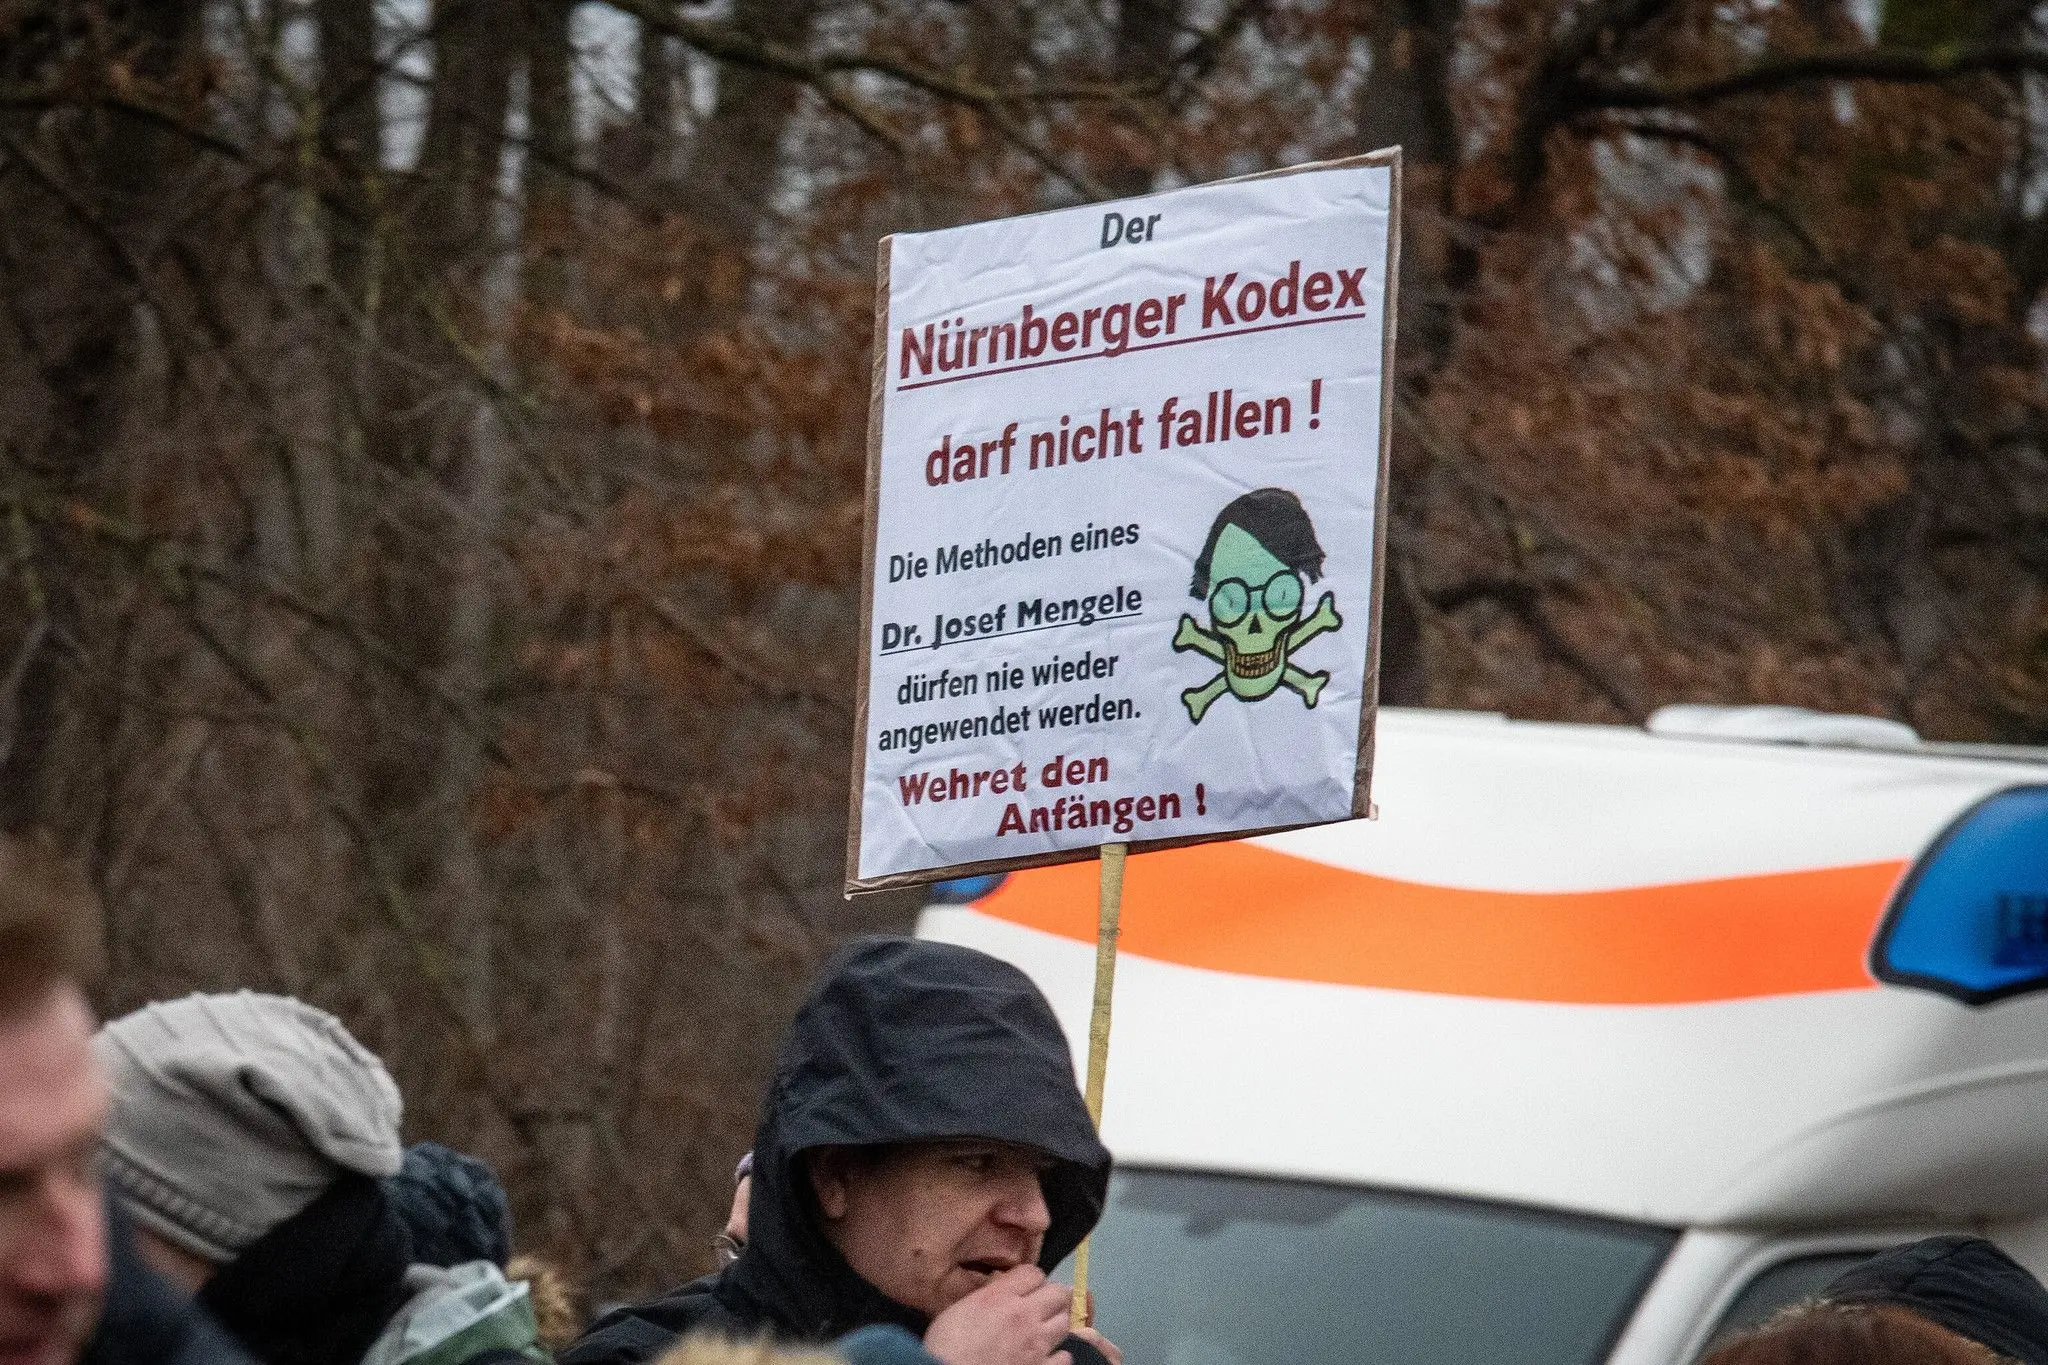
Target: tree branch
1553, 95
1885, 66
727, 43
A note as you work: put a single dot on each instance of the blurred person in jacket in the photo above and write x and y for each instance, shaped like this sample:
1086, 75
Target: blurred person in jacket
71, 1284
255, 1144
1942, 1299
1962, 1285
924, 1157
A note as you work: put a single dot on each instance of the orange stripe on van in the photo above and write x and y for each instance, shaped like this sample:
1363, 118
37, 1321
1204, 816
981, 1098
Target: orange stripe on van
1238, 907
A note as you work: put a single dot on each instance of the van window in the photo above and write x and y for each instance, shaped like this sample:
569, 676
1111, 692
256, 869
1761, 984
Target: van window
1199, 1269
1780, 1286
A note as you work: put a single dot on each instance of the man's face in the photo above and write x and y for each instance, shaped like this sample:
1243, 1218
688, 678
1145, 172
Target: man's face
53, 1248
928, 1223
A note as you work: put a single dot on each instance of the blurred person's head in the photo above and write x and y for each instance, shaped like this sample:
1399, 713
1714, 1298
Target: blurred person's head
234, 1115
53, 1107
1851, 1334
454, 1209
712, 1349
1962, 1285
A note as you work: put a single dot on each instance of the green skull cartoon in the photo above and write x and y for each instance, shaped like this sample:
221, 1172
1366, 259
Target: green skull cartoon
1260, 548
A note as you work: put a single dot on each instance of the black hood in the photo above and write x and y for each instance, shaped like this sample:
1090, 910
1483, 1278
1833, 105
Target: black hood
1962, 1283
905, 1041
321, 1286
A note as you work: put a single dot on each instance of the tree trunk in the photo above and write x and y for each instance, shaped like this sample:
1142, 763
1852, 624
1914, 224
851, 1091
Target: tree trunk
352, 137
549, 210
466, 283
84, 347
733, 164
476, 46
1406, 102
1145, 34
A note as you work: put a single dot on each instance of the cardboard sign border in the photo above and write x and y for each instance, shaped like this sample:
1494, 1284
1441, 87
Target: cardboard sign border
1368, 712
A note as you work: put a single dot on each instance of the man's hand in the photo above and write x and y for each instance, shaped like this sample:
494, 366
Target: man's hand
1017, 1318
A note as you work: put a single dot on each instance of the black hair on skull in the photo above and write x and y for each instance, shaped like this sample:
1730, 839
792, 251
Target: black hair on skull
1273, 517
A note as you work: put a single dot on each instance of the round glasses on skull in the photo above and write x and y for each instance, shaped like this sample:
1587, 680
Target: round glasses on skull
1280, 595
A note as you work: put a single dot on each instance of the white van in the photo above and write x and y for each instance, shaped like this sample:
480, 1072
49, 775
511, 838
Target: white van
1597, 1043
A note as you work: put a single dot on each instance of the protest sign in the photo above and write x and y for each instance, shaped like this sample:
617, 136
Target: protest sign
1126, 520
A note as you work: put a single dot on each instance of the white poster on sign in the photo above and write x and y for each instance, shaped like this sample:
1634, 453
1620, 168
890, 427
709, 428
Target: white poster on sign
1125, 524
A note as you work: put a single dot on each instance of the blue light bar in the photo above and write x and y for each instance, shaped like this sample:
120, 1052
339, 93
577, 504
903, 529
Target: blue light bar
964, 890
1971, 919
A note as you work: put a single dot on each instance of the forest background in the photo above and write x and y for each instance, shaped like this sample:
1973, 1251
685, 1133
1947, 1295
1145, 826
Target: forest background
432, 445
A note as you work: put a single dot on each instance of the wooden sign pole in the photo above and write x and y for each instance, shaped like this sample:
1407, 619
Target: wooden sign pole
1110, 906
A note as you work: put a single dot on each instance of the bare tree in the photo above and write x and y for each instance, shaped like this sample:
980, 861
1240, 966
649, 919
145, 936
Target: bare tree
430, 494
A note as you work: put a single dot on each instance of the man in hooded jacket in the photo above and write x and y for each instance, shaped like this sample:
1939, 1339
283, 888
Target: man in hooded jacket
916, 1083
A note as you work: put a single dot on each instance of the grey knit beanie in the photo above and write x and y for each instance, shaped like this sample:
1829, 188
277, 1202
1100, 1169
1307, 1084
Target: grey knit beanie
234, 1112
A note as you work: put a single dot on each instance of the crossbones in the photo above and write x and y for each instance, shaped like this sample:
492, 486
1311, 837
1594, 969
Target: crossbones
1235, 665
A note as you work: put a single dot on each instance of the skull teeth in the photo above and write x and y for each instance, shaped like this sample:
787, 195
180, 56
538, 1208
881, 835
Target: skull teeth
1250, 665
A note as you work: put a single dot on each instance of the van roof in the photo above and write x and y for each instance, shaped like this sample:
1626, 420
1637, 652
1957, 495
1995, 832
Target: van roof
1586, 967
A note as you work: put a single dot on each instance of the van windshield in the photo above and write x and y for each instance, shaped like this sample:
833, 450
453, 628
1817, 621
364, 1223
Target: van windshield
1198, 1269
